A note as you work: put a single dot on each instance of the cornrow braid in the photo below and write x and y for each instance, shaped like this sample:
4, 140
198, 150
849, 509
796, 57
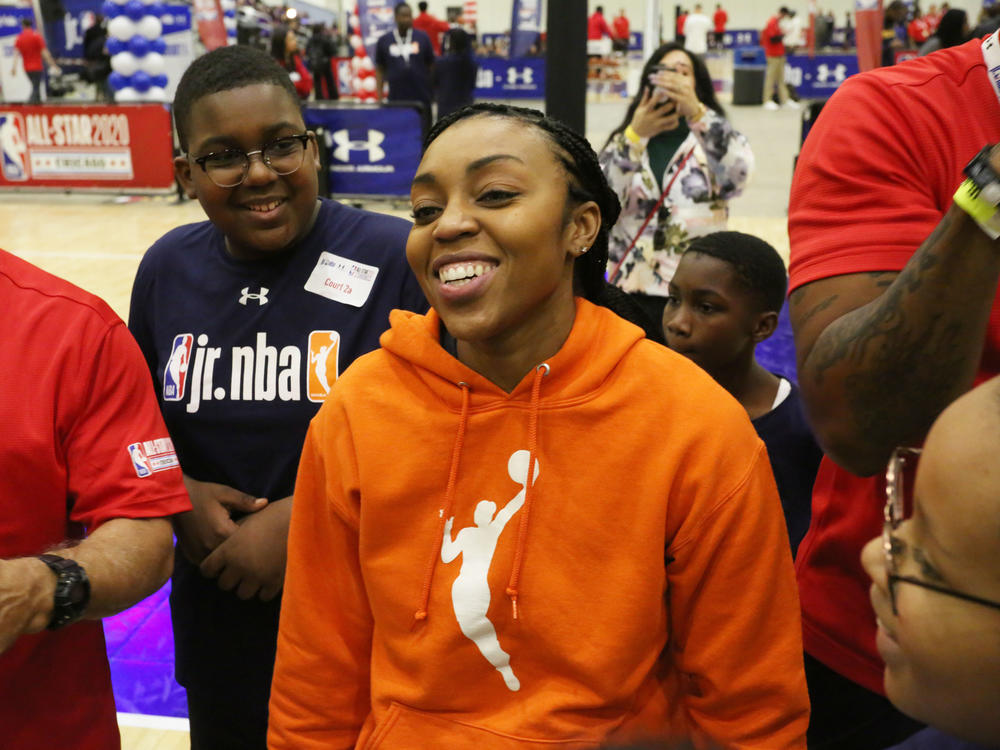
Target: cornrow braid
587, 183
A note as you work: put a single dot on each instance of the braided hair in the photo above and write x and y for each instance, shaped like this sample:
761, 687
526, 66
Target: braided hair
586, 183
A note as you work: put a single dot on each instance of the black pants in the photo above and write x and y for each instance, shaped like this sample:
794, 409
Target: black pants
846, 716
35, 76
230, 718
324, 73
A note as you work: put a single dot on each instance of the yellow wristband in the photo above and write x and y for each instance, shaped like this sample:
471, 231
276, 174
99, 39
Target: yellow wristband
984, 213
632, 135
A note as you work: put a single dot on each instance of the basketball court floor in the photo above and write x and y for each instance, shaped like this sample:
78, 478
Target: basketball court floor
96, 242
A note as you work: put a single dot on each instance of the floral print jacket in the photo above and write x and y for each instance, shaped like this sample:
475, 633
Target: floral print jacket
711, 166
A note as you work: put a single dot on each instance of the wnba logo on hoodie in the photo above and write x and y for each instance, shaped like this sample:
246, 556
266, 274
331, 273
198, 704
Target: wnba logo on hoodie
470, 593
196, 372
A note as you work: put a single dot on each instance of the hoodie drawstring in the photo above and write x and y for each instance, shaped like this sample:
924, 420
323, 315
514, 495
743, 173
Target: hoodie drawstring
449, 501
522, 530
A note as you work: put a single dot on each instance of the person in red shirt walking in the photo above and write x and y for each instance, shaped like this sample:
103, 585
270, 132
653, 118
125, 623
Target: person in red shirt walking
720, 18
621, 27
772, 40
597, 27
433, 27
681, 18
30, 46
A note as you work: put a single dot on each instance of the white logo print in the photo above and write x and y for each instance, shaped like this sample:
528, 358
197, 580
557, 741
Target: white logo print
526, 76
261, 297
470, 594
345, 145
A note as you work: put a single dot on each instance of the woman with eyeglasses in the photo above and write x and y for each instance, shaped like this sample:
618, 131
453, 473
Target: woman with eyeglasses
936, 576
674, 161
246, 320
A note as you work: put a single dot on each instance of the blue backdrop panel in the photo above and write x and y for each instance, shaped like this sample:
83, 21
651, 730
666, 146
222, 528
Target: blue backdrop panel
818, 77
740, 38
371, 150
523, 78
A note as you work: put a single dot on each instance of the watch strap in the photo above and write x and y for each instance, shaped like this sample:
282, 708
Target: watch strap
72, 592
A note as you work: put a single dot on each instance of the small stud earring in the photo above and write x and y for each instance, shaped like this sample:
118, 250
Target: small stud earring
584, 249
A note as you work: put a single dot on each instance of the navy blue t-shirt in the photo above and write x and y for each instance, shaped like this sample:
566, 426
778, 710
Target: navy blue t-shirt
242, 354
409, 78
795, 458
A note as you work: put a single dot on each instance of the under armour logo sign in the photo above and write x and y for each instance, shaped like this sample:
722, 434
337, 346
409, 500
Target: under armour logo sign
838, 73
526, 76
261, 297
345, 145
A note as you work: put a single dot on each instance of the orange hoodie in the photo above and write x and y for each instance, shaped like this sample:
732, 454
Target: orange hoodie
434, 598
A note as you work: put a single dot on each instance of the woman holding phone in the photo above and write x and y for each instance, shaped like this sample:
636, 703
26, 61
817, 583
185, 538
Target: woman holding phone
674, 161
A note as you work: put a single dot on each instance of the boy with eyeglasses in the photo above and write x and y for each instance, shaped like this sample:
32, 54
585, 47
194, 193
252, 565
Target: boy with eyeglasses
936, 577
245, 321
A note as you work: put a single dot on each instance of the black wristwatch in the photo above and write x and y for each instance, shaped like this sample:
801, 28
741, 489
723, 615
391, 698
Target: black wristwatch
72, 591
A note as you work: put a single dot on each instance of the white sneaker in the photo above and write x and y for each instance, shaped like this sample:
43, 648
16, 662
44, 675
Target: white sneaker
792, 104
771, 105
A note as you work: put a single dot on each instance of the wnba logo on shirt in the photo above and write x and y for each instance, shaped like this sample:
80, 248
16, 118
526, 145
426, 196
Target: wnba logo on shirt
13, 147
175, 373
324, 368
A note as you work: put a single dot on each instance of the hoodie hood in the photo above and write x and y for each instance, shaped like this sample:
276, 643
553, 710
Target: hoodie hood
597, 343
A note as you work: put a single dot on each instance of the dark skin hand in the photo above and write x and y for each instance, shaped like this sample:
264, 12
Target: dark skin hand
246, 556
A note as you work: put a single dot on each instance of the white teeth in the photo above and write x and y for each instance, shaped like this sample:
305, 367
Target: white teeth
463, 271
265, 206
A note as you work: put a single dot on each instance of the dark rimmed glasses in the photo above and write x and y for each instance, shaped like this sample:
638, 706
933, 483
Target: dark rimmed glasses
229, 168
898, 508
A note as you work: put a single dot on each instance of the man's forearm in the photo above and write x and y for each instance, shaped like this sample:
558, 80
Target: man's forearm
879, 375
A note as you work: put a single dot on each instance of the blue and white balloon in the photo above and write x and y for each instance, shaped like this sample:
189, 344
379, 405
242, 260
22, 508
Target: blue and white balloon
150, 27
125, 63
141, 82
127, 94
157, 93
153, 63
135, 10
138, 45
115, 46
121, 27
117, 81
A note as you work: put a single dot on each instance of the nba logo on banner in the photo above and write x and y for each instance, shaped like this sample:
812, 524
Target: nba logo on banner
175, 374
139, 462
13, 147
324, 353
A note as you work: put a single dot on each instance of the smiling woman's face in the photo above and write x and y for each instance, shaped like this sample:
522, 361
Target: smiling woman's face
494, 241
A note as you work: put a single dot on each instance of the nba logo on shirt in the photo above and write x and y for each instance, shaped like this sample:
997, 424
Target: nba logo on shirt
324, 369
175, 374
139, 462
13, 147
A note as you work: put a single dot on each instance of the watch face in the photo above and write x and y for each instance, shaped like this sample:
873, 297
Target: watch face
72, 590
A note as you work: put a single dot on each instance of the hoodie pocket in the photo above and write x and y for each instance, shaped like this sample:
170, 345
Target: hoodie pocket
405, 728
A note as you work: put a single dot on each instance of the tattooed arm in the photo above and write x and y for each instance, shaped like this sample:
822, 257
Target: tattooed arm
880, 355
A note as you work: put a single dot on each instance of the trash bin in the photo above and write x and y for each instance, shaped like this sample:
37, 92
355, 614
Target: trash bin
749, 67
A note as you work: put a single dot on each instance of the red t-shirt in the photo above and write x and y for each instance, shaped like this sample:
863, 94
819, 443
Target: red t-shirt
597, 27
78, 413
773, 29
719, 19
680, 23
875, 177
30, 44
433, 27
621, 27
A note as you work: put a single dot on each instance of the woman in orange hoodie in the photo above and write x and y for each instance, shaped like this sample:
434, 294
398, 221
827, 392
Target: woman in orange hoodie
520, 523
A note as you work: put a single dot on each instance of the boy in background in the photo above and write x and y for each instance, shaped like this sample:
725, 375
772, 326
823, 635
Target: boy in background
245, 321
724, 300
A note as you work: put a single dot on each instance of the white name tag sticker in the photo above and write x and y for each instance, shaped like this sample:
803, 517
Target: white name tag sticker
342, 279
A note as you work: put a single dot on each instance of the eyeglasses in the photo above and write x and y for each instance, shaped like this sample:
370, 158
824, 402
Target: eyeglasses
230, 167
898, 508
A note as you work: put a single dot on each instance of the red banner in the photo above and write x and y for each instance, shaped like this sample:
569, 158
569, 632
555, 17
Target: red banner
101, 147
211, 27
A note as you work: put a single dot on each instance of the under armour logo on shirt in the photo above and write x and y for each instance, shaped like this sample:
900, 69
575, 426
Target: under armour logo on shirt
260, 297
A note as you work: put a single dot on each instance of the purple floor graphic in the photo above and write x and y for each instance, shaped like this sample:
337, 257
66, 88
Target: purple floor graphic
141, 653
141, 643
